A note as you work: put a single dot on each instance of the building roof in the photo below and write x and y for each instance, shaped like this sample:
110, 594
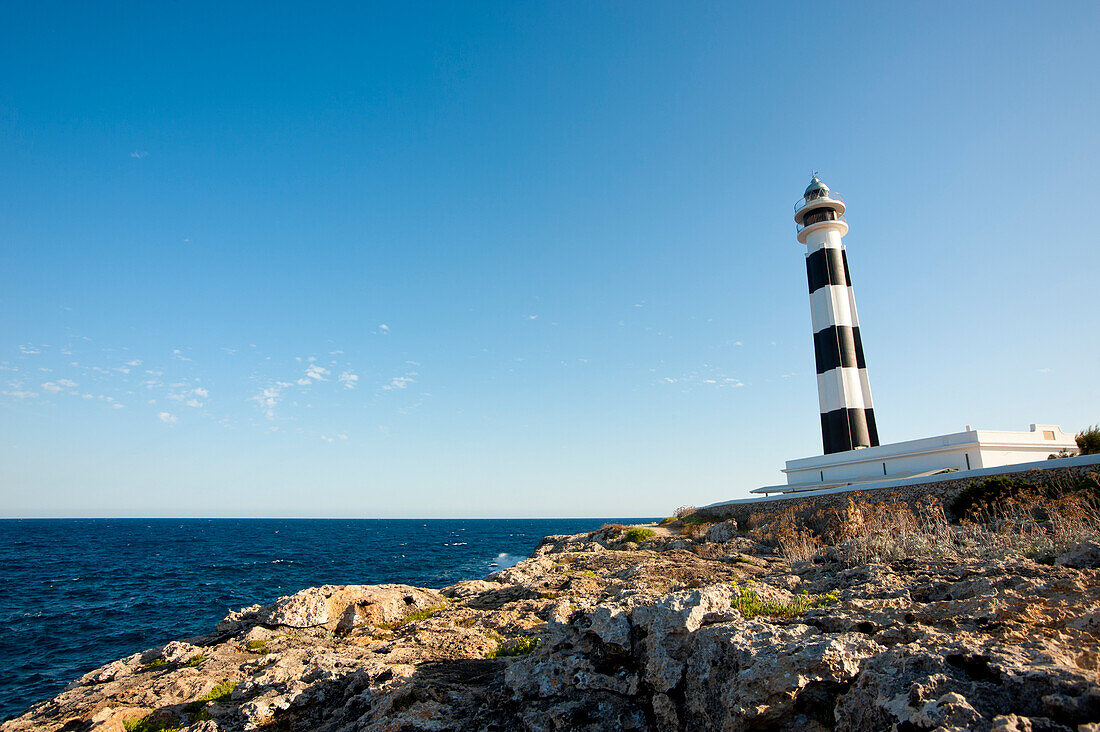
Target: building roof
815, 185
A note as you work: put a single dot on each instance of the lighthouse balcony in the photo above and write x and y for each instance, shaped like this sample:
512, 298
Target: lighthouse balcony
818, 197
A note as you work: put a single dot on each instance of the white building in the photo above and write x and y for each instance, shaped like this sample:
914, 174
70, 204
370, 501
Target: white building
956, 452
853, 455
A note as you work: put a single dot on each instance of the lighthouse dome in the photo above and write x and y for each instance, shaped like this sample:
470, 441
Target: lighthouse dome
816, 188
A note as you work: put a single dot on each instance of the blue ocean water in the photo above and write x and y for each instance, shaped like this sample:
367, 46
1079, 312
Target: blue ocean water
77, 593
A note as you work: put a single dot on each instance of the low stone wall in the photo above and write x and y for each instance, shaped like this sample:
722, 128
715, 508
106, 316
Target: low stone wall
756, 512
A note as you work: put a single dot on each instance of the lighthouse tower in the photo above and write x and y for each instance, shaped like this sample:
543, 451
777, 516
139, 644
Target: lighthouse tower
844, 393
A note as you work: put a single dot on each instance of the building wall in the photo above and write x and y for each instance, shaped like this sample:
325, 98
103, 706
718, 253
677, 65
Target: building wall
967, 450
750, 511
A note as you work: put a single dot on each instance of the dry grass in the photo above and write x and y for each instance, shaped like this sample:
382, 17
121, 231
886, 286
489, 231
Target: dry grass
1019, 519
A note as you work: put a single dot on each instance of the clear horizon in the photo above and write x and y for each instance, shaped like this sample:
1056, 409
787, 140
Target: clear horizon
456, 261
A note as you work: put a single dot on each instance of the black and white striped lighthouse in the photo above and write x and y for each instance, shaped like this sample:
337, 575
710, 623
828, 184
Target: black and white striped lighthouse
844, 393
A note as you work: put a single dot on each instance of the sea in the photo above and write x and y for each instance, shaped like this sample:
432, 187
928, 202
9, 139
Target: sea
78, 593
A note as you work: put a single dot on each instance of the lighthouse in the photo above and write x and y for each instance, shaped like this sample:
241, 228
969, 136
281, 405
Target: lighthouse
843, 390
853, 459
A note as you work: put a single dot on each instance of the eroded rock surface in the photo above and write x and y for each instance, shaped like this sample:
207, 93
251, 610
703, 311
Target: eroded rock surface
717, 633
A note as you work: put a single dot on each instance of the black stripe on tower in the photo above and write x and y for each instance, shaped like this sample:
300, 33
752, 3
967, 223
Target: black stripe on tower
838, 346
827, 266
847, 429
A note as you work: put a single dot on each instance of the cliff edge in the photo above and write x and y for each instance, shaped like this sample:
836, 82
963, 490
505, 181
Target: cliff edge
701, 627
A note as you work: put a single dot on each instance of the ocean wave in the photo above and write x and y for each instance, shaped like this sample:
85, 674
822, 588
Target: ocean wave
505, 560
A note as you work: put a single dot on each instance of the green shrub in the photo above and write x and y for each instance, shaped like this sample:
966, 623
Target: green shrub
1088, 440
519, 647
148, 724
219, 693
411, 618
196, 660
991, 490
748, 603
153, 665
639, 535
666, 521
257, 646
695, 520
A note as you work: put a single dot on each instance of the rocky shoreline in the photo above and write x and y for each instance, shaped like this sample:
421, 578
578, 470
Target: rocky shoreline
665, 628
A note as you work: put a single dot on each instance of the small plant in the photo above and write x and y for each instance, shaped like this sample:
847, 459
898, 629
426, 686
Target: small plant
411, 618
750, 604
196, 660
1088, 440
667, 521
148, 724
521, 646
639, 535
257, 646
153, 665
695, 520
219, 693
989, 491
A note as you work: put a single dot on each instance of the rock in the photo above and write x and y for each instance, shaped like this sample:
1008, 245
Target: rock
722, 532
335, 608
1085, 555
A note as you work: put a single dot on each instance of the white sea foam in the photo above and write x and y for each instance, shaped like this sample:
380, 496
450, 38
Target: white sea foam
505, 560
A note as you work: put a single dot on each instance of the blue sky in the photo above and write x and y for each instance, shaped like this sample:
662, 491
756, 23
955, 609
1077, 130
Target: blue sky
521, 259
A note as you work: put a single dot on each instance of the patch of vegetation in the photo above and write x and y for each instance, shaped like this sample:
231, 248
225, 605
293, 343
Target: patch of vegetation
667, 521
1088, 440
219, 693
588, 573
980, 495
195, 660
153, 665
257, 646
639, 535
411, 618
521, 646
149, 724
695, 520
750, 604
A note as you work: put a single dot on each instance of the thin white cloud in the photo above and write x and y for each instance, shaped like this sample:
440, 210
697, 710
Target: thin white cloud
316, 372
532, 317
178, 354
139, 154
20, 393
399, 382
348, 379
269, 398
135, 362
29, 350
385, 329
167, 417
52, 387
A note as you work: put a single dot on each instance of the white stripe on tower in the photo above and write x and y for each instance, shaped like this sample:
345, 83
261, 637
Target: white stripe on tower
844, 391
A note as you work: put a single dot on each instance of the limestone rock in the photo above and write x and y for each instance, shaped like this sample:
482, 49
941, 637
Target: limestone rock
1086, 555
722, 532
336, 608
